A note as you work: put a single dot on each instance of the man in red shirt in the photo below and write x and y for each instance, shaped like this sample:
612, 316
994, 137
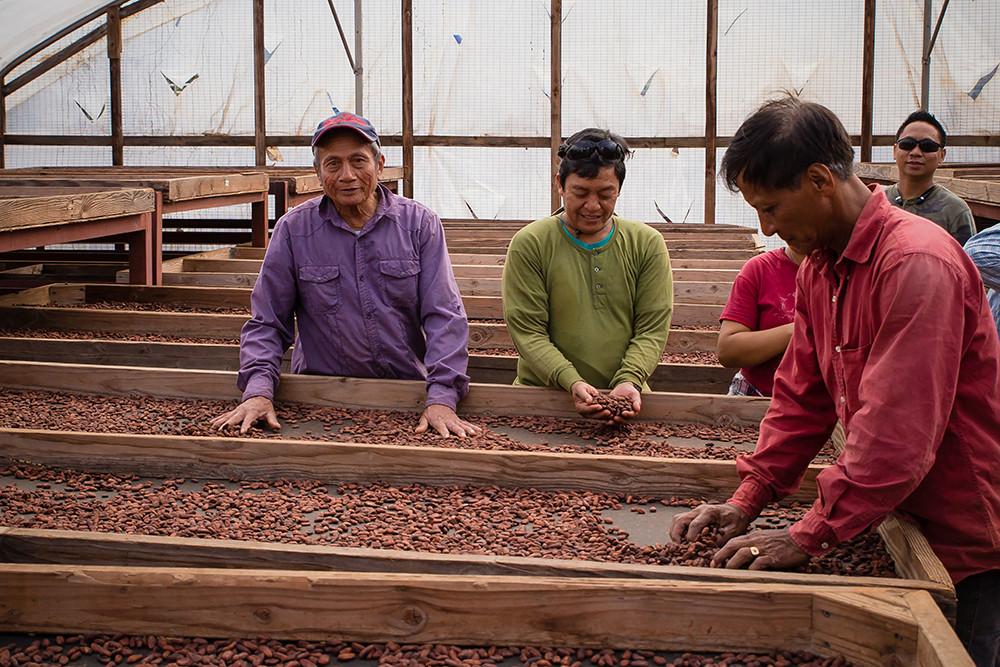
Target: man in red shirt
893, 336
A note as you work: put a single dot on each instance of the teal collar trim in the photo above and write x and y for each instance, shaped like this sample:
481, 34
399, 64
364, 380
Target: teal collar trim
597, 245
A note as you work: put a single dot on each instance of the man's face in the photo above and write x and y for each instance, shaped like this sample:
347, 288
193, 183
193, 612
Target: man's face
589, 202
347, 168
916, 163
800, 215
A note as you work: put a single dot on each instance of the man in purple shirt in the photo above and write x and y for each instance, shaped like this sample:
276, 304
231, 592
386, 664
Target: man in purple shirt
366, 276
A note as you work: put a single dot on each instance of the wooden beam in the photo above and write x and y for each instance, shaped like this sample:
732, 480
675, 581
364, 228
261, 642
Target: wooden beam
358, 462
868, 82
711, 106
3, 125
42, 546
40, 210
407, 65
357, 393
115, 64
259, 120
555, 98
467, 610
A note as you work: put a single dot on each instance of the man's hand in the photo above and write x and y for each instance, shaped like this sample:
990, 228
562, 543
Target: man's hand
586, 400
729, 519
761, 550
444, 420
627, 390
248, 413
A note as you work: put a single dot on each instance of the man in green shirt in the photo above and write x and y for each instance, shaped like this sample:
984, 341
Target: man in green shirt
587, 295
918, 151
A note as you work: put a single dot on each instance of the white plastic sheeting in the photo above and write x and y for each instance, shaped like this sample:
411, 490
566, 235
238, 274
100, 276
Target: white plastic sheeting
482, 68
26, 23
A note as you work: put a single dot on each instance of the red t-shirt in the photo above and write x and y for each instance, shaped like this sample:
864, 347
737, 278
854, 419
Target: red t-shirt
763, 297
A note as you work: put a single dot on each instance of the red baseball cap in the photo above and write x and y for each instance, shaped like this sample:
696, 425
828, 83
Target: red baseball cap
349, 121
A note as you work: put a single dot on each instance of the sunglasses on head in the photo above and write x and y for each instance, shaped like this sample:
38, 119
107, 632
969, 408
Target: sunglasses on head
926, 145
606, 148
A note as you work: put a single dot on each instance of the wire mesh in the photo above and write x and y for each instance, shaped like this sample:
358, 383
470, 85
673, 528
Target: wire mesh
187, 68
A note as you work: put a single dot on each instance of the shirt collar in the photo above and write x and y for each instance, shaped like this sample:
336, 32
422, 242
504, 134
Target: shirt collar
387, 208
864, 236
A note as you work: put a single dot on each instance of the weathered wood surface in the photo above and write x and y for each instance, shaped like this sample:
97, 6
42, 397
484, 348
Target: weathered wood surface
40, 546
175, 187
36, 210
404, 395
198, 264
358, 462
205, 325
865, 625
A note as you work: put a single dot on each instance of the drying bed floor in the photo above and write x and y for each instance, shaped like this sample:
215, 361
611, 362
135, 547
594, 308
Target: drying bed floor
576, 525
155, 650
148, 415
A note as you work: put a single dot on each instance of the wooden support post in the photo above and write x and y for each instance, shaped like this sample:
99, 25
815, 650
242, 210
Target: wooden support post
711, 106
115, 63
407, 98
259, 123
555, 97
156, 237
259, 222
140, 253
868, 83
3, 124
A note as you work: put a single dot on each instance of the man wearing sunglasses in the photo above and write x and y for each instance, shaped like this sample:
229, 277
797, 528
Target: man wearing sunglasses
587, 295
918, 151
893, 338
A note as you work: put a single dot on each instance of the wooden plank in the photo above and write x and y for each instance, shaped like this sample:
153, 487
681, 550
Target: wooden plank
427, 608
407, 81
555, 99
868, 82
185, 325
937, 644
843, 626
688, 378
357, 462
259, 118
982, 191
115, 84
680, 253
36, 211
711, 105
352, 393
175, 188
40, 546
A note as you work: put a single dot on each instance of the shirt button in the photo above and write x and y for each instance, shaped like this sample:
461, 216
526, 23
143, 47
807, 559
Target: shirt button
835, 298
599, 286
597, 269
361, 278
837, 348
825, 545
843, 399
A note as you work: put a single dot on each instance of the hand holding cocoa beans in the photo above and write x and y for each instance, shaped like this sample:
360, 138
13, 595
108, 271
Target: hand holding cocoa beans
729, 519
586, 401
248, 413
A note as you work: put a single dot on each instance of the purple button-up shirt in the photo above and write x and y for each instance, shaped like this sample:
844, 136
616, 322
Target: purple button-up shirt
381, 302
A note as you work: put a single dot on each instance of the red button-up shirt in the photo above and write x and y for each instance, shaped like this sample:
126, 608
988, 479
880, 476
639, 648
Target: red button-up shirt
895, 339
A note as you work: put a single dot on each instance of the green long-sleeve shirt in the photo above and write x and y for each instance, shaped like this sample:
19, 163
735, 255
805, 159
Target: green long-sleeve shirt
601, 316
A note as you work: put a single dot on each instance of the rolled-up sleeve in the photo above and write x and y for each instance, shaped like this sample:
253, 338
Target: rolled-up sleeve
446, 327
797, 424
905, 398
271, 329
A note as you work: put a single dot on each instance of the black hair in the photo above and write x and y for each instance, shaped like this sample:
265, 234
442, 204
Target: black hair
590, 166
779, 141
922, 116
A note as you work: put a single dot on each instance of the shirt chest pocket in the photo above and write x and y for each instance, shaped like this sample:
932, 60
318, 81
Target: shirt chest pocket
400, 280
319, 288
854, 361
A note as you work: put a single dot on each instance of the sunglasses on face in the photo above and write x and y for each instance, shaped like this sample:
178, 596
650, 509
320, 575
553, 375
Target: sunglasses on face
926, 145
606, 148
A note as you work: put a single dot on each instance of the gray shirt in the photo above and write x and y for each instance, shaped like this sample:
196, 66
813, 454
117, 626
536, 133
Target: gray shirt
940, 206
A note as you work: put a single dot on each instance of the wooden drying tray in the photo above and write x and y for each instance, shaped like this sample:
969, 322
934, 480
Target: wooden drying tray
46, 302
248, 458
868, 626
978, 185
176, 191
50, 307
665, 227
32, 216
